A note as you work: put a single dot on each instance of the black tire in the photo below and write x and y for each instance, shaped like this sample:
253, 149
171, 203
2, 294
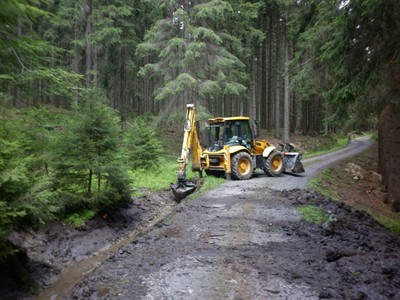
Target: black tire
274, 164
242, 166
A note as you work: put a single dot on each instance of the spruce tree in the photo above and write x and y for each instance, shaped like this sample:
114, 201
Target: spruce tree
88, 171
195, 57
142, 147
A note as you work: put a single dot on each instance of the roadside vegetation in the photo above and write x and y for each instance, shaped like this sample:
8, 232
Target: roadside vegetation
69, 164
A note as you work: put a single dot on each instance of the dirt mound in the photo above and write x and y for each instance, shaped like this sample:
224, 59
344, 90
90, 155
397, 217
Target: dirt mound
355, 257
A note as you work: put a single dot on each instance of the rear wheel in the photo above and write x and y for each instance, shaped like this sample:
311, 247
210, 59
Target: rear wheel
273, 164
242, 166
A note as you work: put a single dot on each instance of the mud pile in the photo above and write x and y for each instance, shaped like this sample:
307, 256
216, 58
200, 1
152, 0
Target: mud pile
354, 257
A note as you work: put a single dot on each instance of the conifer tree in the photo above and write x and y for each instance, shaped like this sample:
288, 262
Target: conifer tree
142, 147
196, 58
88, 172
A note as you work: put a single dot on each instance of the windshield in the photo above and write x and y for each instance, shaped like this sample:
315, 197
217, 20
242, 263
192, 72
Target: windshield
228, 133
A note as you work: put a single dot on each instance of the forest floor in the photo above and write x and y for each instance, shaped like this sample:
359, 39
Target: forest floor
243, 240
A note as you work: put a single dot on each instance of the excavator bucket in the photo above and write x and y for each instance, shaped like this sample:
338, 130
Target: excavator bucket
182, 189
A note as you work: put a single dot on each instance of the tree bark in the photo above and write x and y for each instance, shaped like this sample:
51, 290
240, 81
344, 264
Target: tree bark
286, 105
278, 79
269, 99
263, 100
88, 45
389, 156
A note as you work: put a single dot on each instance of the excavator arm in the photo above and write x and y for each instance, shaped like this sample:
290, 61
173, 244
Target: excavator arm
191, 144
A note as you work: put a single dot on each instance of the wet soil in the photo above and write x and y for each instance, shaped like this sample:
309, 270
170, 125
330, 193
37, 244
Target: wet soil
253, 246
242, 240
56, 248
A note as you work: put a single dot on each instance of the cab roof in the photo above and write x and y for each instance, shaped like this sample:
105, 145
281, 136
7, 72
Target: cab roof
224, 119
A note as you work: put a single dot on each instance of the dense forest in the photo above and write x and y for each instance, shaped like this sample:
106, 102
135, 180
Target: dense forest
81, 82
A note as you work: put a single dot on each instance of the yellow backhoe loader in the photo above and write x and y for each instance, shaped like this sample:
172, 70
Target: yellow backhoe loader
230, 149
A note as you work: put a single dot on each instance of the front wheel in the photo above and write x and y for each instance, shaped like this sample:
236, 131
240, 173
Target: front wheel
274, 164
242, 166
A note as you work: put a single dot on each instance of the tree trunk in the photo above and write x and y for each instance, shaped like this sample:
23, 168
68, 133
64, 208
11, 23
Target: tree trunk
264, 113
389, 156
253, 102
269, 80
286, 105
88, 48
394, 167
278, 79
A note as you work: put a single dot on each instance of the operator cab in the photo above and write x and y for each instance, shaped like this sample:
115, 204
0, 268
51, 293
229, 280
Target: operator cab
228, 131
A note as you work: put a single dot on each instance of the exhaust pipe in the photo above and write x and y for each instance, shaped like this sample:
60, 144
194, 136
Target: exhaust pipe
182, 189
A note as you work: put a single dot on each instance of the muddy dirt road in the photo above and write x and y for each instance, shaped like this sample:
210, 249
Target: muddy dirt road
246, 240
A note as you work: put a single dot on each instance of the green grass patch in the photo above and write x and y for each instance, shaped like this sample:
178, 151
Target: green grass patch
314, 214
325, 183
157, 179
79, 219
392, 223
331, 146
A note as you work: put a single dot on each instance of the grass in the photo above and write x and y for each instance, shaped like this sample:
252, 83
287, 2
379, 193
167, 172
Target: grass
329, 147
326, 183
155, 179
314, 214
158, 179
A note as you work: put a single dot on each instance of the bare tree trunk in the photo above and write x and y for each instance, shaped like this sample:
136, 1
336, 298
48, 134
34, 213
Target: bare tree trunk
253, 105
286, 105
263, 100
278, 77
88, 49
270, 66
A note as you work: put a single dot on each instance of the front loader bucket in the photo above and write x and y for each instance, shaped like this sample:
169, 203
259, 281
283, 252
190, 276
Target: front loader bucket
298, 167
293, 162
182, 190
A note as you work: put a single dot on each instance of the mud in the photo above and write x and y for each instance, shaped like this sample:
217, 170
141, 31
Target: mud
253, 246
56, 248
243, 240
